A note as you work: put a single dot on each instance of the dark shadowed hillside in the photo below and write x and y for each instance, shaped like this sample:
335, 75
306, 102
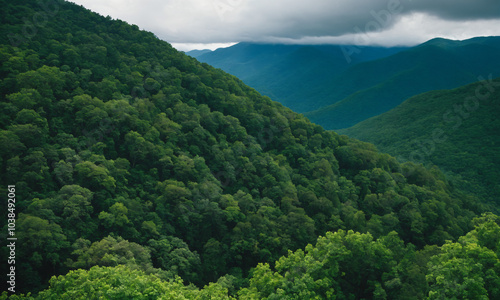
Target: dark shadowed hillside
371, 88
458, 130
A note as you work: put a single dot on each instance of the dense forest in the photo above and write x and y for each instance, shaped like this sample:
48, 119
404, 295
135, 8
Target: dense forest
457, 130
141, 173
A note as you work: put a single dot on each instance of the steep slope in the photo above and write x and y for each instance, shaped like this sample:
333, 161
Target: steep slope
371, 88
457, 130
124, 151
295, 75
245, 59
306, 67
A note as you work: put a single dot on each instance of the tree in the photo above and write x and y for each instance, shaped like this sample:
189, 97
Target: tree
116, 219
123, 282
64, 172
29, 134
110, 251
26, 99
464, 271
342, 264
173, 255
73, 204
36, 170
11, 143
43, 244
90, 175
48, 81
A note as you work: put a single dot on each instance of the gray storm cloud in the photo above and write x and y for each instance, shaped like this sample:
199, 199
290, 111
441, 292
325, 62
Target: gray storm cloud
220, 21
458, 9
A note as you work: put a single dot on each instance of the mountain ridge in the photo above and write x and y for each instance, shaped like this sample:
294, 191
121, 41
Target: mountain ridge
330, 93
426, 67
265, 67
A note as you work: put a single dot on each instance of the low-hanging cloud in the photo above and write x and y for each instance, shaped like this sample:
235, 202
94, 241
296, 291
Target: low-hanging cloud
314, 21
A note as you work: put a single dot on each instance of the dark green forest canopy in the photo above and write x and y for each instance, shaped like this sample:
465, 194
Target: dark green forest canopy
341, 265
457, 130
126, 152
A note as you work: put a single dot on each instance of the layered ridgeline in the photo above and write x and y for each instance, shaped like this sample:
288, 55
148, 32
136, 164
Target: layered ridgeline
339, 86
383, 84
458, 130
142, 173
294, 75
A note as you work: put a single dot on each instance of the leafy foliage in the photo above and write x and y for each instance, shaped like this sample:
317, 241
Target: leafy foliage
142, 164
349, 265
341, 265
121, 282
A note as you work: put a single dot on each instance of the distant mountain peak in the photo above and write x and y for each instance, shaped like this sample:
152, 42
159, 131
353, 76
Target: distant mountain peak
439, 41
197, 53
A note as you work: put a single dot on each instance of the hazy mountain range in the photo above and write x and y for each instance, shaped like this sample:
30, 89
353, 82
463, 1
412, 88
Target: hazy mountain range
339, 86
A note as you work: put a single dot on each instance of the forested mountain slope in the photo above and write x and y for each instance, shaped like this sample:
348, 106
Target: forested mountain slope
457, 130
372, 88
134, 164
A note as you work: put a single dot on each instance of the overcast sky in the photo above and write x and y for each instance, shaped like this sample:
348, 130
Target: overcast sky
201, 24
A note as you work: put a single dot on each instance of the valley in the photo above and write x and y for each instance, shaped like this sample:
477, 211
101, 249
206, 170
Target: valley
338, 91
